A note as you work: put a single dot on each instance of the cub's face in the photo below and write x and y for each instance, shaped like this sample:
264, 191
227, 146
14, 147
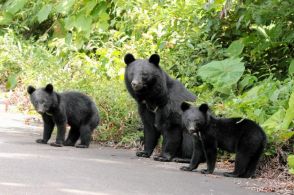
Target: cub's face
194, 118
142, 74
42, 99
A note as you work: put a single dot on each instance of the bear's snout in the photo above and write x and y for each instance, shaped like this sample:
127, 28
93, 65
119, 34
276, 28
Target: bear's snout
136, 85
41, 109
192, 130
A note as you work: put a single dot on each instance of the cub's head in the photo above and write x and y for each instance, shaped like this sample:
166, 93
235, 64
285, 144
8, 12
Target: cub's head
142, 74
194, 118
43, 98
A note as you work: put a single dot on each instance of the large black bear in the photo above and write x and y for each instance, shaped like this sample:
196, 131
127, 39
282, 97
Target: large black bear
72, 108
241, 136
159, 99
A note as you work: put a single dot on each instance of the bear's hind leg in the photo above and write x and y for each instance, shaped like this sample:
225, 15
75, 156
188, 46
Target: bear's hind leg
73, 137
250, 171
241, 163
85, 133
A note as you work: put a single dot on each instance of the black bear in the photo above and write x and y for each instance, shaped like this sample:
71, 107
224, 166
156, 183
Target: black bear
236, 135
72, 108
159, 99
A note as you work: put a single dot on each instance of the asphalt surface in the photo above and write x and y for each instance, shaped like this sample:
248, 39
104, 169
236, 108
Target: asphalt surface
30, 168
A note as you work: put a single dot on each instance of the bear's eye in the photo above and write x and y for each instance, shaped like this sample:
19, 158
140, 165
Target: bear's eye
144, 74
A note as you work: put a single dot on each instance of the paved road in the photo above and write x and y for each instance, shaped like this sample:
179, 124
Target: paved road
30, 168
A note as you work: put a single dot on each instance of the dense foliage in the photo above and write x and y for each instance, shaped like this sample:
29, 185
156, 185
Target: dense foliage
236, 55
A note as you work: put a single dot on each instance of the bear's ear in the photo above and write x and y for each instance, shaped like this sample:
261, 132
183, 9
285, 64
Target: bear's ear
203, 108
185, 106
154, 59
129, 58
30, 89
49, 88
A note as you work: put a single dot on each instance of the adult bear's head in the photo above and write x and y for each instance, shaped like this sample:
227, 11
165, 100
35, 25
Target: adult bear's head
195, 119
43, 99
142, 74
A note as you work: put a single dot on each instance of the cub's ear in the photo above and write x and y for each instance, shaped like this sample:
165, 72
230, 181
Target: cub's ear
129, 58
31, 89
203, 108
49, 88
185, 106
154, 59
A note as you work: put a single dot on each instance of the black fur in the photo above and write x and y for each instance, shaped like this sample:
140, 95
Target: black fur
159, 98
236, 135
72, 108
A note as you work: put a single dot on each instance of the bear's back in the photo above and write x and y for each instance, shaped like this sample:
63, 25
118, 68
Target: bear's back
233, 131
78, 106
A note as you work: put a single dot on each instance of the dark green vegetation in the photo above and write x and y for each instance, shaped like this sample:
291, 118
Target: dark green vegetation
238, 56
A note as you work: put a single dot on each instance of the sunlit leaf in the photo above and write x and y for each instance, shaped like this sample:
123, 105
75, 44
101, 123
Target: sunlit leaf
289, 116
290, 160
64, 6
13, 6
89, 6
235, 49
222, 74
83, 23
43, 14
69, 22
6, 18
103, 16
11, 82
291, 67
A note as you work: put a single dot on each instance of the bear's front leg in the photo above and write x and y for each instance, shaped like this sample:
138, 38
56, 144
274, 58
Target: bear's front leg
48, 128
165, 157
197, 156
210, 150
61, 128
151, 135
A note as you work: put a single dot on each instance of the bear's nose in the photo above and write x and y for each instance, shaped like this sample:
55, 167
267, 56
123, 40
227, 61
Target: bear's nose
191, 129
136, 85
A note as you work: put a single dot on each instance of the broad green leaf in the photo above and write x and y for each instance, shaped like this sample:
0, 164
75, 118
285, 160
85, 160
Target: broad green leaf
290, 160
13, 6
88, 7
289, 116
222, 74
64, 6
83, 23
291, 67
6, 18
103, 17
247, 81
273, 123
11, 82
68, 38
286, 135
101, 7
43, 14
69, 22
253, 93
235, 49
291, 171
103, 25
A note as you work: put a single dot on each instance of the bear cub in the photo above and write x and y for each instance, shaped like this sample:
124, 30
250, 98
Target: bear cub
72, 108
236, 135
